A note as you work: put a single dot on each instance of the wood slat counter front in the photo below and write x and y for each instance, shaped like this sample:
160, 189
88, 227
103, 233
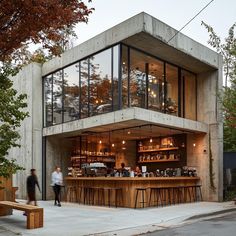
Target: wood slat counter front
129, 184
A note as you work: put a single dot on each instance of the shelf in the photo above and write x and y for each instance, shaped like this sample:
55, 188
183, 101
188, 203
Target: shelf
159, 161
89, 156
159, 150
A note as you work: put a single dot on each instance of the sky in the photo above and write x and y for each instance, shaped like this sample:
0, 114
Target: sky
220, 14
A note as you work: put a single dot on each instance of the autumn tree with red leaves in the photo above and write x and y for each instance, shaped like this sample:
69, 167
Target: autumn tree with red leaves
42, 21
23, 22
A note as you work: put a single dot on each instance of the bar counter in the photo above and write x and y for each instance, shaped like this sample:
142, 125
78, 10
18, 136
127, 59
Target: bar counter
129, 184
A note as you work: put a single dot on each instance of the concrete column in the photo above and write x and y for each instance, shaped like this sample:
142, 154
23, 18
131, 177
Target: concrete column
29, 155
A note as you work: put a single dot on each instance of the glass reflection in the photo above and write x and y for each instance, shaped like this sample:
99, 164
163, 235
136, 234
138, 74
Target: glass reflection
100, 92
156, 85
71, 92
115, 84
189, 94
48, 100
171, 105
84, 77
124, 79
138, 66
57, 97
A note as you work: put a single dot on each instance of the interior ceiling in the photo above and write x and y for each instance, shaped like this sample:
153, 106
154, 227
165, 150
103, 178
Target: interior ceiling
132, 130
165, 52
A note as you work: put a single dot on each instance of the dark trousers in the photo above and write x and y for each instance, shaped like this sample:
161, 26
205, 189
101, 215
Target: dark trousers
57, 191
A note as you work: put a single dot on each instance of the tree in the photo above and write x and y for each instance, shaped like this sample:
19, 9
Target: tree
49, 23
228, 94
23, 22
11, 115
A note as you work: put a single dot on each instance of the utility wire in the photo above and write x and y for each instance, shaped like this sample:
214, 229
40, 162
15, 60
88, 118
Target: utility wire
190, 20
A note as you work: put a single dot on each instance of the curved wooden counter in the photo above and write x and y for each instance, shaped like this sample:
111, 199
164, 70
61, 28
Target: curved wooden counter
129, 184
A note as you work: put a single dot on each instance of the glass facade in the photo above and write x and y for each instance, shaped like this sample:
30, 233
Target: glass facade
118, 78
71, 93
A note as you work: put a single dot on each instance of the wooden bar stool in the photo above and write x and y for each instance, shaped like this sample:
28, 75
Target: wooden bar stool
88, 195
166, 196
99, 192
71, 194
178, 194
79, 191
143, 194
118, 196
156, 194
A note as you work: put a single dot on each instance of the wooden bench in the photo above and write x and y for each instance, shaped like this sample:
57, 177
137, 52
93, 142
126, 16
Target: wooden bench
34, 213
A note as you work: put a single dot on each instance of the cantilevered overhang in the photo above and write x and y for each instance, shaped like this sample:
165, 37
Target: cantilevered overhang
123, 119
149, 34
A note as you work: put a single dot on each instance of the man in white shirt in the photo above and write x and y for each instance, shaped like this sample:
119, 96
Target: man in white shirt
57, 181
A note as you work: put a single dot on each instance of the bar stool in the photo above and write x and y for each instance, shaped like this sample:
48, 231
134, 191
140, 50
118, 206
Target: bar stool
155, 193
100, 195
88, 195
187, 194
178, 194
79, 191
165, 195
143, 193
71, 194
196, 192
118, 196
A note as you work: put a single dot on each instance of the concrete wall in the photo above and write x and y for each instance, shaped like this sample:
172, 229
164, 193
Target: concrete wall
58, 153
29, 81
208, 107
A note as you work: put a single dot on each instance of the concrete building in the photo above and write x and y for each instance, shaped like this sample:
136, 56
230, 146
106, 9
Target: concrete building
129, 83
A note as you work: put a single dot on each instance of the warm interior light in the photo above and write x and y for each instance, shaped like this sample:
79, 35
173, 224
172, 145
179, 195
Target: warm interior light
171, 144
123, 62
123, 142
182, 145
129, 132
113, 145
194, 144
100, 141
150, 140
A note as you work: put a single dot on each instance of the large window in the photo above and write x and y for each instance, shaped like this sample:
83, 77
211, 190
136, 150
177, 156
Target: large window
118, 78
84, 95
48, 100
124, 77
71, 92
156, 85
138, 78
100, 86
115, 76
189, 82
171, 92
57, 97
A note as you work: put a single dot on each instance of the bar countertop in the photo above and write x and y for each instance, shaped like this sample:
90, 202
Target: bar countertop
127, 185
133, 178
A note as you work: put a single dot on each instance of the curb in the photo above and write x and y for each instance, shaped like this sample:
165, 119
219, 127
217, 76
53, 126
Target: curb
211, 214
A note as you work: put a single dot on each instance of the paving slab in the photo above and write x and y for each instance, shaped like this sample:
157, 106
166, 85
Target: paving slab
74, 219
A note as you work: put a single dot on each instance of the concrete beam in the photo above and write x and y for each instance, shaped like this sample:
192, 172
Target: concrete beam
128, 116
180, 49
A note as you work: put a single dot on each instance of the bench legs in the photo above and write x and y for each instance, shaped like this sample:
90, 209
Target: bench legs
35, 219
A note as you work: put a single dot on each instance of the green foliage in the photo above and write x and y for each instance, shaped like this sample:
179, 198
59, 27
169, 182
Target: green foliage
11, 114
227, 96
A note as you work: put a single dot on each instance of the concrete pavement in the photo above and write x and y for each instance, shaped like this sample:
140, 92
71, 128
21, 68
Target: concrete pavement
73, 219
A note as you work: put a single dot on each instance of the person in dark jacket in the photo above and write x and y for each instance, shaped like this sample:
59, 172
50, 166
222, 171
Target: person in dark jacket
31, 183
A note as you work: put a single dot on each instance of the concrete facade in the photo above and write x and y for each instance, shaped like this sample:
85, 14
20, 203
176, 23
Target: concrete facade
150, 35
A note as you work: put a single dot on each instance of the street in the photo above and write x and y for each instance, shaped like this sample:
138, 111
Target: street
217, 226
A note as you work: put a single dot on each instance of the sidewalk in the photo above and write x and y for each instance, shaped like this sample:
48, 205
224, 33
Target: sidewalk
73, 219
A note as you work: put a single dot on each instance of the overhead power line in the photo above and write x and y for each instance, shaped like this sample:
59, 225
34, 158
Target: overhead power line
191, 20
